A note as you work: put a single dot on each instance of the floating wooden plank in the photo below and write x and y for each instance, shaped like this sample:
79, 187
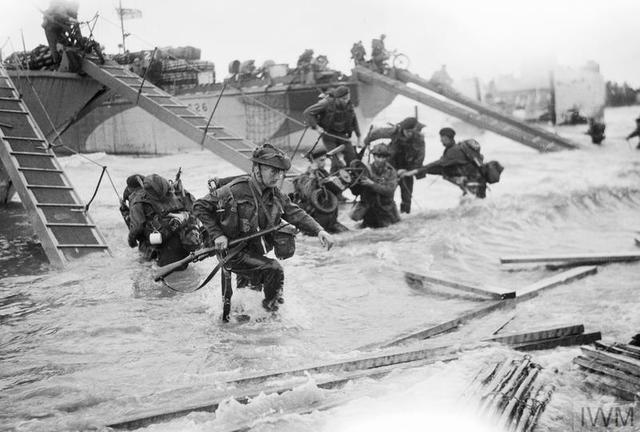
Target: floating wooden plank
246, 395
522, 337
503, 325
553, 281
591, 258
621, 349
611, 377
448, 325
494, 293
359, 363
577, 339
623, 363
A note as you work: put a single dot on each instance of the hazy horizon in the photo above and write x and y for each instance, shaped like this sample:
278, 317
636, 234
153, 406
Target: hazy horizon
484, 39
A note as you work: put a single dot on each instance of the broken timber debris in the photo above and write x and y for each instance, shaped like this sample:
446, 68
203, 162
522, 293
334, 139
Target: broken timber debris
617, 364
591, 258
508, 393
524, 294
495, 294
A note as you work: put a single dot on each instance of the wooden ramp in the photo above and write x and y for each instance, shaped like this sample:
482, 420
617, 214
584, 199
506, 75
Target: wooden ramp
64, 229
466, 109
173, 112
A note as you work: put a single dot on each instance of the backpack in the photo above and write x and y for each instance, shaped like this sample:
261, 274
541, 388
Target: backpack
491, 171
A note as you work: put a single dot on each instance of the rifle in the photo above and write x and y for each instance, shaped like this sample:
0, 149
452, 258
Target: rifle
206, 253
364, 147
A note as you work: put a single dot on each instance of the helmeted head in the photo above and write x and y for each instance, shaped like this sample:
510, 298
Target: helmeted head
411, 123
316, 154
341, 91
382, 36
381, 150
268, 155
157, 186
135, 181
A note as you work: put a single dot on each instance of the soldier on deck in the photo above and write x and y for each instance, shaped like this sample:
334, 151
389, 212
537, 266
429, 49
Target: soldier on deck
58, 19
407, 152
358, 53
250, 204
379, 54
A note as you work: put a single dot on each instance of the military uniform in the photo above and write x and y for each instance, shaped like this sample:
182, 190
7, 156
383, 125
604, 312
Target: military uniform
305, 185
240, 208
461, 164
153, 210
377, 207
338, 119
406, 152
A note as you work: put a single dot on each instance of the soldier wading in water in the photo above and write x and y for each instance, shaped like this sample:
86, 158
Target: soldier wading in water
250, 204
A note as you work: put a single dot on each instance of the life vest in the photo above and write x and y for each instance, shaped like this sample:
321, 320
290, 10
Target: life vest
337, 117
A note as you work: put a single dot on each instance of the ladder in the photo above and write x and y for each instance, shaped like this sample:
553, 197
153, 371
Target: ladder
172, 112
467, 110
64, 229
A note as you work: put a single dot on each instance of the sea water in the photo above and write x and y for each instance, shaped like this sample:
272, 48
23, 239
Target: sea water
100, 341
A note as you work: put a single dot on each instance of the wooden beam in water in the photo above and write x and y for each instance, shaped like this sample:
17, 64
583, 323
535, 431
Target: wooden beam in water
591, 258
576, 339
553, 281
434, 330
532, 336
621, 362
494, 293
611, 377
245, 395
524, 294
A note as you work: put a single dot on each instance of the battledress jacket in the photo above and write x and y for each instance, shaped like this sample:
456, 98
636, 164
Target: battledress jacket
378, 197
406, 152
454, 162
216, 212
334, 118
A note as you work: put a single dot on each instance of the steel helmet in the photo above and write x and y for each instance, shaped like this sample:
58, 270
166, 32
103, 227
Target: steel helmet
380, 149
267, 154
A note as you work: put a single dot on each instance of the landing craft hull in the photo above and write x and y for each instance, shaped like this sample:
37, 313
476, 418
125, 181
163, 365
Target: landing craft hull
89, 118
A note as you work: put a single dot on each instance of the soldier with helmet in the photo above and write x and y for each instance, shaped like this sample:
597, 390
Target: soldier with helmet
376, 207
407, 152
249, 204
336, 116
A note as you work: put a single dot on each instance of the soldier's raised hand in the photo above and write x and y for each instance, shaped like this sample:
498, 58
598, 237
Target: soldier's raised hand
221, 243
326, 239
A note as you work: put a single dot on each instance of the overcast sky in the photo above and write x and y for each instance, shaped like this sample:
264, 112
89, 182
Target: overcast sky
472, 37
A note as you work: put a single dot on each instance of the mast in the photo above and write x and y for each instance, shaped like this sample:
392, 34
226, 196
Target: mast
124, 49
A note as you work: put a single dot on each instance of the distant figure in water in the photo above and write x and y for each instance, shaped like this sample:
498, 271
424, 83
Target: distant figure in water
462, 164
636, 133
596, 130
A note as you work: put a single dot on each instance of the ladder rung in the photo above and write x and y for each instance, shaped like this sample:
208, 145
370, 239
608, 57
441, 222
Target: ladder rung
247, 150
49, 187
62, 224
191, 116
79, 246
6, 88
31, 154
173, 106
9, 99
13, 111
156, 95
228, 138
211, 127
41, 169
8, 137
136, 87
60, 205
126, 76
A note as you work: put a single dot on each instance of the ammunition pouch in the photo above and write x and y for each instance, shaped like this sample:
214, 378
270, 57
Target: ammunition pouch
284, 242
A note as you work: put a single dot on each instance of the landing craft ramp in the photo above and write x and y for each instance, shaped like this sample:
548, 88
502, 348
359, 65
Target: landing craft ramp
64, 229
172, 112
466, 109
